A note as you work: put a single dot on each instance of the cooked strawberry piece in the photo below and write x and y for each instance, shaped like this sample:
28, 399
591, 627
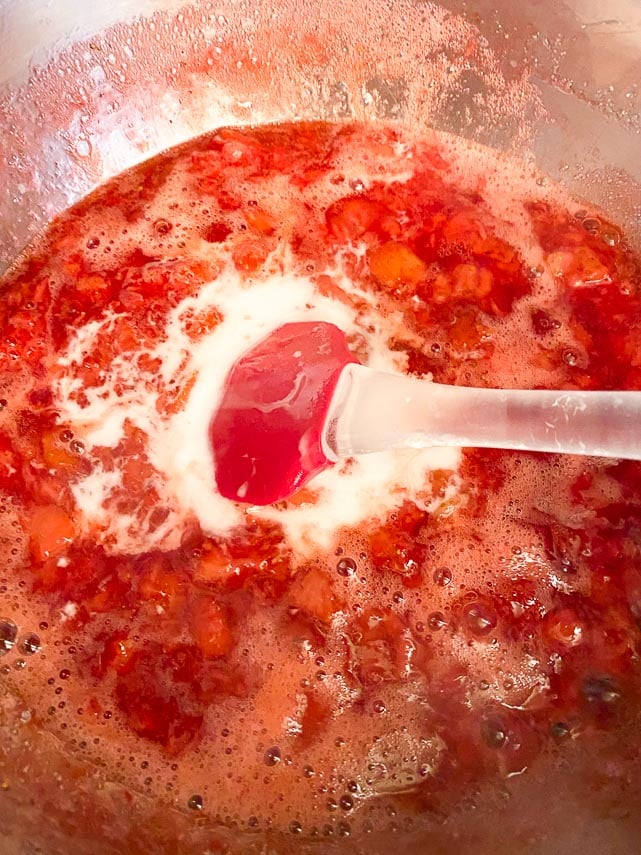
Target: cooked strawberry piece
91, 282
394, 265
217, 232
52, 532
579, 268
10, 464
160, 695
151, 278
394, 545
250, 254
469, 336
379, 647
260, 552
350, 218
209, 627
214, 565
115, 653
318, 712
518, 607
260, 220
57, 451
161, 584
312, 592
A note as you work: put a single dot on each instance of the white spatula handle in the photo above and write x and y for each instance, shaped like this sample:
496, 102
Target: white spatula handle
374, 411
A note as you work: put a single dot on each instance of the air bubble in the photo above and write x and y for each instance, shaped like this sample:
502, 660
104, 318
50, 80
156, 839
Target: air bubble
346, 802
83, 148
436, 621
295, 827
8, 635
610, 237
195, 802
346, 567
162, 227
559, 731
272, 756
494, 733
591, 224
601, 691
30, 644
443, 576
480, 618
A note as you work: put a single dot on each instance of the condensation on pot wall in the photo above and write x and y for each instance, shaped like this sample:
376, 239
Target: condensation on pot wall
93, 103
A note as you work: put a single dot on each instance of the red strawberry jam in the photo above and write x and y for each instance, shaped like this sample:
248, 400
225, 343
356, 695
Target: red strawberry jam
427, 650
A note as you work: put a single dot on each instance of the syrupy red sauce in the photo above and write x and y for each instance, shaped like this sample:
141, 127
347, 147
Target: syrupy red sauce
426, 659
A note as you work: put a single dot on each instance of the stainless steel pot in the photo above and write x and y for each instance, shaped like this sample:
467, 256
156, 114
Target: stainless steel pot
87, 90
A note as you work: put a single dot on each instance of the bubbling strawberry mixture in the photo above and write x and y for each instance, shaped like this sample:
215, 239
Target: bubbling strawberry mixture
409, 629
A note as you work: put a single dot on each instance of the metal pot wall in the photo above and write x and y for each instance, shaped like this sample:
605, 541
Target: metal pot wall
87, 90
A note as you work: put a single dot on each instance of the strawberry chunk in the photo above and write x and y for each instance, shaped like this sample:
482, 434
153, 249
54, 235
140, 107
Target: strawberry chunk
160, 695
52, 533
57, 453
580, 267
394, 265
394, 546
313, 593
350, 218
209, 627
115, 653
162, 584
250, 254
379, 647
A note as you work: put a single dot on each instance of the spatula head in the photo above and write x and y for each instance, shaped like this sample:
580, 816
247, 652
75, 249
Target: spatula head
266, 433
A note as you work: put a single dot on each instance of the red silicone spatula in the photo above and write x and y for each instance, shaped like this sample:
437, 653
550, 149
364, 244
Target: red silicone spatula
298, 401
267, 432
